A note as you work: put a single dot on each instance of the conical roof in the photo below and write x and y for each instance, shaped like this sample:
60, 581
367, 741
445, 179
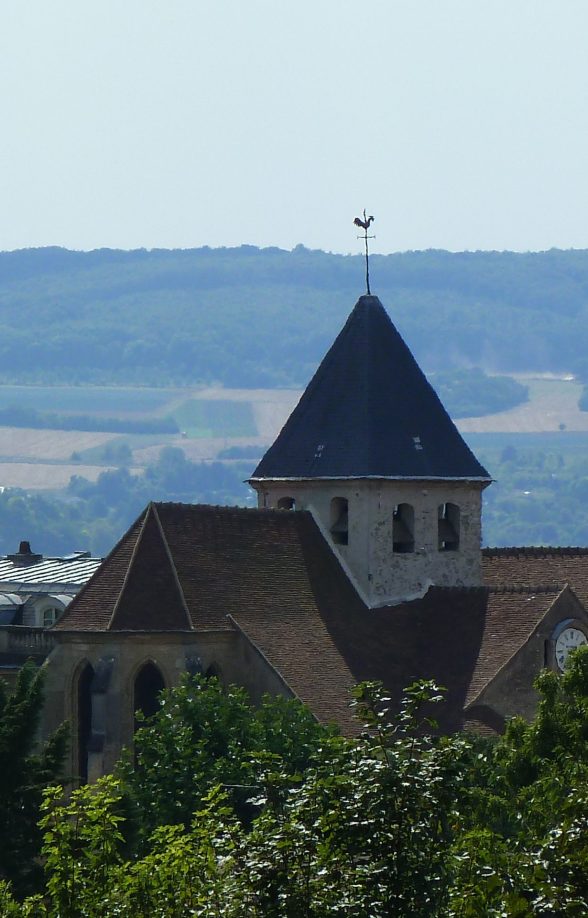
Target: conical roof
369, 411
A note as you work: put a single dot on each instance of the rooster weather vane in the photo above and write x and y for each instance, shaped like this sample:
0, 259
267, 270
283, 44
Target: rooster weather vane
365, 225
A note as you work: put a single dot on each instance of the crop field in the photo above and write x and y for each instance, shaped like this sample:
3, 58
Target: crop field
92, 400
38, 476
552, 406
201, 418
56, 445
216, 419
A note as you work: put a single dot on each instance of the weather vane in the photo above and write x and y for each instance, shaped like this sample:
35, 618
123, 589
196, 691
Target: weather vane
365, 225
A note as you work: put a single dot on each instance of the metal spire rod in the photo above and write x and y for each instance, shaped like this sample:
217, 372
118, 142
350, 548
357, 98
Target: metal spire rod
365, 225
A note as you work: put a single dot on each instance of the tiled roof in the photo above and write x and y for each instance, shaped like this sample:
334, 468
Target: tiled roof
369, 411
92, 608
555, 566
151, 598
272, 575
512, 614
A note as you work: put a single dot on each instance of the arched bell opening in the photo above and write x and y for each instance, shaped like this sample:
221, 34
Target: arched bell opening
340, 520
403, 529
448, 527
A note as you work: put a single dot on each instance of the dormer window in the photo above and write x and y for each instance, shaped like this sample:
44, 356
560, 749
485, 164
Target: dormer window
403, 529
340, 520
50, 616
448, 527
286, 503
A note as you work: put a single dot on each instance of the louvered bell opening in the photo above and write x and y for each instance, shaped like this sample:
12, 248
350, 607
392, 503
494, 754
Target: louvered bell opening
448, 537
340, 528
402, 537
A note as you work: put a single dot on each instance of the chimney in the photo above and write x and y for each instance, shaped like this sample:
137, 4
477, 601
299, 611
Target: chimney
24, 556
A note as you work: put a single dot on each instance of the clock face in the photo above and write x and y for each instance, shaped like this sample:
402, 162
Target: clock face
568, 640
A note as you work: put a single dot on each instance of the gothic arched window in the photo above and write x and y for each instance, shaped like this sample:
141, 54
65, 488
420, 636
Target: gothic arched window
84, 718
148, 684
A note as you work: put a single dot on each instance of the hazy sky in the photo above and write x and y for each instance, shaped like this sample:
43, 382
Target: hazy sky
461, 124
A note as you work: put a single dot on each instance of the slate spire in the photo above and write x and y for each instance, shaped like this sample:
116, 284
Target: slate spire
369, 412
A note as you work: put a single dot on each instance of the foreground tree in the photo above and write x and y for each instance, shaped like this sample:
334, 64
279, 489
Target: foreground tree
25, 771
399, 822
204, 735
522, 841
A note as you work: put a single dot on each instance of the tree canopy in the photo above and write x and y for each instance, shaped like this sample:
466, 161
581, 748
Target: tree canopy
251, 317
399, 821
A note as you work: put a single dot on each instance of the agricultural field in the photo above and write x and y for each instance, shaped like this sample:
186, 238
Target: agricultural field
214, 419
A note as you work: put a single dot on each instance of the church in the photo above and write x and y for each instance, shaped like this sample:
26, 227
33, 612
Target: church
362, 561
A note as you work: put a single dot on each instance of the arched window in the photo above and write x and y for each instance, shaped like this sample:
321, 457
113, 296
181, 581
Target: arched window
213, 672
148, 684
84, 731
286, 503
403, 529
340, 520
448, 527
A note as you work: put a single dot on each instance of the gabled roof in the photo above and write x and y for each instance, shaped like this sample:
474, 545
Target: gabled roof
369, 411
271, 576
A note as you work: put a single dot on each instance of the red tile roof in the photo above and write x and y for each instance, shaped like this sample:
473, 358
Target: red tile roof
555, 566
272, 575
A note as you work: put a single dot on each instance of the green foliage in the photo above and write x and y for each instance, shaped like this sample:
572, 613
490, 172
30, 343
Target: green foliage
523, 845
471, 393
17, 416
264, 317
539, 493
203, 736
94, 515
24, 773
395, 823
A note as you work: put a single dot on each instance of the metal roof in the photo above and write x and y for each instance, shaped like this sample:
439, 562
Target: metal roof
71, 571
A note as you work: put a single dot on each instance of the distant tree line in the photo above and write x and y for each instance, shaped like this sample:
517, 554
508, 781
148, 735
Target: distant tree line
20, 416
251, 317
468, 393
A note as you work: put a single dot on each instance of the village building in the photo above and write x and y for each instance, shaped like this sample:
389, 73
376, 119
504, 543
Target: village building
35, 590
363, 561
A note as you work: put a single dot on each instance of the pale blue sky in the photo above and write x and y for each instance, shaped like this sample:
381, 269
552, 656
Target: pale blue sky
460, 124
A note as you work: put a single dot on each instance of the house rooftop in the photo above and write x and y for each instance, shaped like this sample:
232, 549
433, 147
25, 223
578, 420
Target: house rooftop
32, 570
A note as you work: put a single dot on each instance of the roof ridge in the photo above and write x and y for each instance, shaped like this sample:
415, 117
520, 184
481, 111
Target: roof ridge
173, 567
99, 570
520, 587
130, 565
537, 551
523, 587
216, 508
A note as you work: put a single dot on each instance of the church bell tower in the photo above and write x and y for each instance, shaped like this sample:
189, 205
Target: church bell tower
372, 453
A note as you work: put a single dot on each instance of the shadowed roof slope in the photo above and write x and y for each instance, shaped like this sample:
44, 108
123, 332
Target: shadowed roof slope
369, 411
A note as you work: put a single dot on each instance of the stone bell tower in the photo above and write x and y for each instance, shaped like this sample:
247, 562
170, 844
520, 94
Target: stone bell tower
372, 453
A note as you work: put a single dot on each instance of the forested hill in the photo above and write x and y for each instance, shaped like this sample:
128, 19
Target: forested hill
251, 317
